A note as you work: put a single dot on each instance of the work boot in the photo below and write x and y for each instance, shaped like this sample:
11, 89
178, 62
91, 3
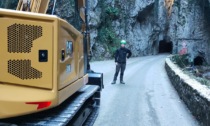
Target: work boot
122, 82
113, 82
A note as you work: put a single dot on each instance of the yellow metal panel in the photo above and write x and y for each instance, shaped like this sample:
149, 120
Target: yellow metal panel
81, 57
32, 3
27, 15
67, 33
82, 14
38, 5
44, 6
33, 8
19, 5
19, 75
81, 3
55, 33
71, 89
13, 100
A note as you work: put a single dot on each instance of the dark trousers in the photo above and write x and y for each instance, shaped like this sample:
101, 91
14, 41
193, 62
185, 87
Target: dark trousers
119, 67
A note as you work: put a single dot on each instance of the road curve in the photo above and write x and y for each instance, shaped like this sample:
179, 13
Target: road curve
147, 98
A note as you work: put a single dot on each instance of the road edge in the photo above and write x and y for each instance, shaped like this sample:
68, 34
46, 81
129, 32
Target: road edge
195, 95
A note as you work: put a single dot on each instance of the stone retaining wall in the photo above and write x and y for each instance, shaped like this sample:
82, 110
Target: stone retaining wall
195, 95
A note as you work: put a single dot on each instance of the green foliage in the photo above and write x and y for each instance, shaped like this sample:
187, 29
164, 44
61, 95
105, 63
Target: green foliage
106, 35
112, 12
112, 50
203, 81
181, 60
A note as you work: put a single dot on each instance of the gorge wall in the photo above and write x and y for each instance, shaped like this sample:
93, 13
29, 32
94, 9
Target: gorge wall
148, 26
146, 23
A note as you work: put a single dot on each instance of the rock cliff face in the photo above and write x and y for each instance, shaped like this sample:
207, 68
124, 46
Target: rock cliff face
189, 24
146, 25
136, 21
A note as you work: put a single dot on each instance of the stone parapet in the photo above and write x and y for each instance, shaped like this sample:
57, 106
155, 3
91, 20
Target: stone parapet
195, 95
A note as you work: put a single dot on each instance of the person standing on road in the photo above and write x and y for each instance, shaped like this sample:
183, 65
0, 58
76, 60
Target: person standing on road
120, 60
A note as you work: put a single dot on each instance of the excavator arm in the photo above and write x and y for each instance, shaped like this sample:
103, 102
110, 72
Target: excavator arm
36, 6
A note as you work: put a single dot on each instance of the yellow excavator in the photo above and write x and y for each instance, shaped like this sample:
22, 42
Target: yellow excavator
45, 73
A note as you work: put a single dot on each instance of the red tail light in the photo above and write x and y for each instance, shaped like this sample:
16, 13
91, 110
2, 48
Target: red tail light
41, 105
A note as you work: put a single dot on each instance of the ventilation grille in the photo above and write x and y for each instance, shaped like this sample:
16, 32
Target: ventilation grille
20, 37
23, 70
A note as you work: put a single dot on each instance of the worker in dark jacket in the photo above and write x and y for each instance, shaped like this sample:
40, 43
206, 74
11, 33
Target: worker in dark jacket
120, 60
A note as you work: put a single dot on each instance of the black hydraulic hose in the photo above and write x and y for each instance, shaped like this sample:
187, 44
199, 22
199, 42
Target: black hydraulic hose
86, 61
86, 15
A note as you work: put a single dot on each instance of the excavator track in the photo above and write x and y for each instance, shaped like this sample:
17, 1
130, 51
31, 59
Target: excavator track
73, 112
92, 117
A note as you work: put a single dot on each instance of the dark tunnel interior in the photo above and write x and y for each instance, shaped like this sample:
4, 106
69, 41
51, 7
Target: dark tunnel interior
165, 47
198, 61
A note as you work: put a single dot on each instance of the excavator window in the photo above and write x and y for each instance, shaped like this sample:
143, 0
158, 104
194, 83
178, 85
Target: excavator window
69, 48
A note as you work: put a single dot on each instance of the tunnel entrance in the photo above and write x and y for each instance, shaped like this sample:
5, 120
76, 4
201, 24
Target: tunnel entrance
198, 61
165, 47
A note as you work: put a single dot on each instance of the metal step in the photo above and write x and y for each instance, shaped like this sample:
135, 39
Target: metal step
62, 115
